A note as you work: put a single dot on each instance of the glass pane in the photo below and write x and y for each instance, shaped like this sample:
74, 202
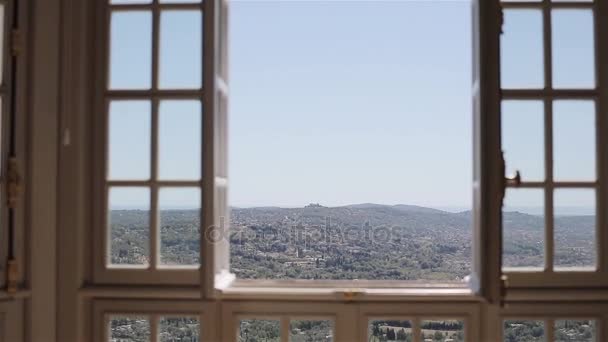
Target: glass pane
574, 140
323, 130
179, 1
129, 329
180, 49
311, 331
523, 138
523, 228
180, 140
390, 330
129, 215
179, 329
521, 59
573, 51
131, 50
127, 2
262, 330
524, 331
574, 231
179, 225
574, 330
442, 331
129, 140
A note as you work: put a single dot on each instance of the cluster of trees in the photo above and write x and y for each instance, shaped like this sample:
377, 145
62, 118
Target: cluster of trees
524, 331
182, 329
259, 331
401, 331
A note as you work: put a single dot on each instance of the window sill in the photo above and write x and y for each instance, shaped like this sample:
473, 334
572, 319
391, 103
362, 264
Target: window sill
345, 291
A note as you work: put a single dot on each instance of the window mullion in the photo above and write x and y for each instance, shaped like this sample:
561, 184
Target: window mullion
548, 119
154, 321
601, 33
550, 330
284, 329
416, 329
548, 138
154, 210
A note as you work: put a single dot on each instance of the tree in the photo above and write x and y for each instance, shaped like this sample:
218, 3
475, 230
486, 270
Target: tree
401, 335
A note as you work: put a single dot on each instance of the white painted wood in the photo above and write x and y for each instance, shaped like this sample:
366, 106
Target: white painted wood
488, 173
93, 291
41, 190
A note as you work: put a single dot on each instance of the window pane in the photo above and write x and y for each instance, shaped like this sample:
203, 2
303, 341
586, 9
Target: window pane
573, 52
574, 140
179, 329
129, 329
523, 138
131, 50
574, 231
127, 2
442, 331
259, 330
180, 226
393, 330
574, 330
521, 59
180, 49
523, 228
311, 331
180, 140
179, 1
524, 331
129, 215
129, 140
376, 140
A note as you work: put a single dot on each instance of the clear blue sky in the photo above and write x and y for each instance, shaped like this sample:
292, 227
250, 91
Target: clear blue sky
342, 102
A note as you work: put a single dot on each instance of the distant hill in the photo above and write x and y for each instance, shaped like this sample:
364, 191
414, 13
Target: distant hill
358, 241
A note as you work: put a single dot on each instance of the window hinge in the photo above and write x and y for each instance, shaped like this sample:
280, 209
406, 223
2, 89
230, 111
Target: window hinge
12, 275
13, 188
351, 295
16, 42
504, 284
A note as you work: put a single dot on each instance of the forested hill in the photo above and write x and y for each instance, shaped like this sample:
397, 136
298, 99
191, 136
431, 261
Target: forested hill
362, 241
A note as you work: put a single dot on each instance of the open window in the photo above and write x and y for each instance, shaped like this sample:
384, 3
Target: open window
553, 133
479, 271
154, 113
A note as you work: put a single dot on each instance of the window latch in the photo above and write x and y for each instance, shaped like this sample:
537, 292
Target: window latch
13, 188
504, 284
16, 42
508, 181
513, 180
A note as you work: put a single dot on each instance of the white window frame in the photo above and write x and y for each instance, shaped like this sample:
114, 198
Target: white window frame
154, 309
154, 273
88, 293
487, 203
550, 312
519, 278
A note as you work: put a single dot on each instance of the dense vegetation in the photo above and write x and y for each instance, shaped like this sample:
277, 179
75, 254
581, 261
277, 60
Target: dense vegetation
365, 241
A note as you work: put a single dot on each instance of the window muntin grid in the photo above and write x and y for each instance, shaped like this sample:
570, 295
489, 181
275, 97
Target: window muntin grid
543, 328
552, 95
169, 107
